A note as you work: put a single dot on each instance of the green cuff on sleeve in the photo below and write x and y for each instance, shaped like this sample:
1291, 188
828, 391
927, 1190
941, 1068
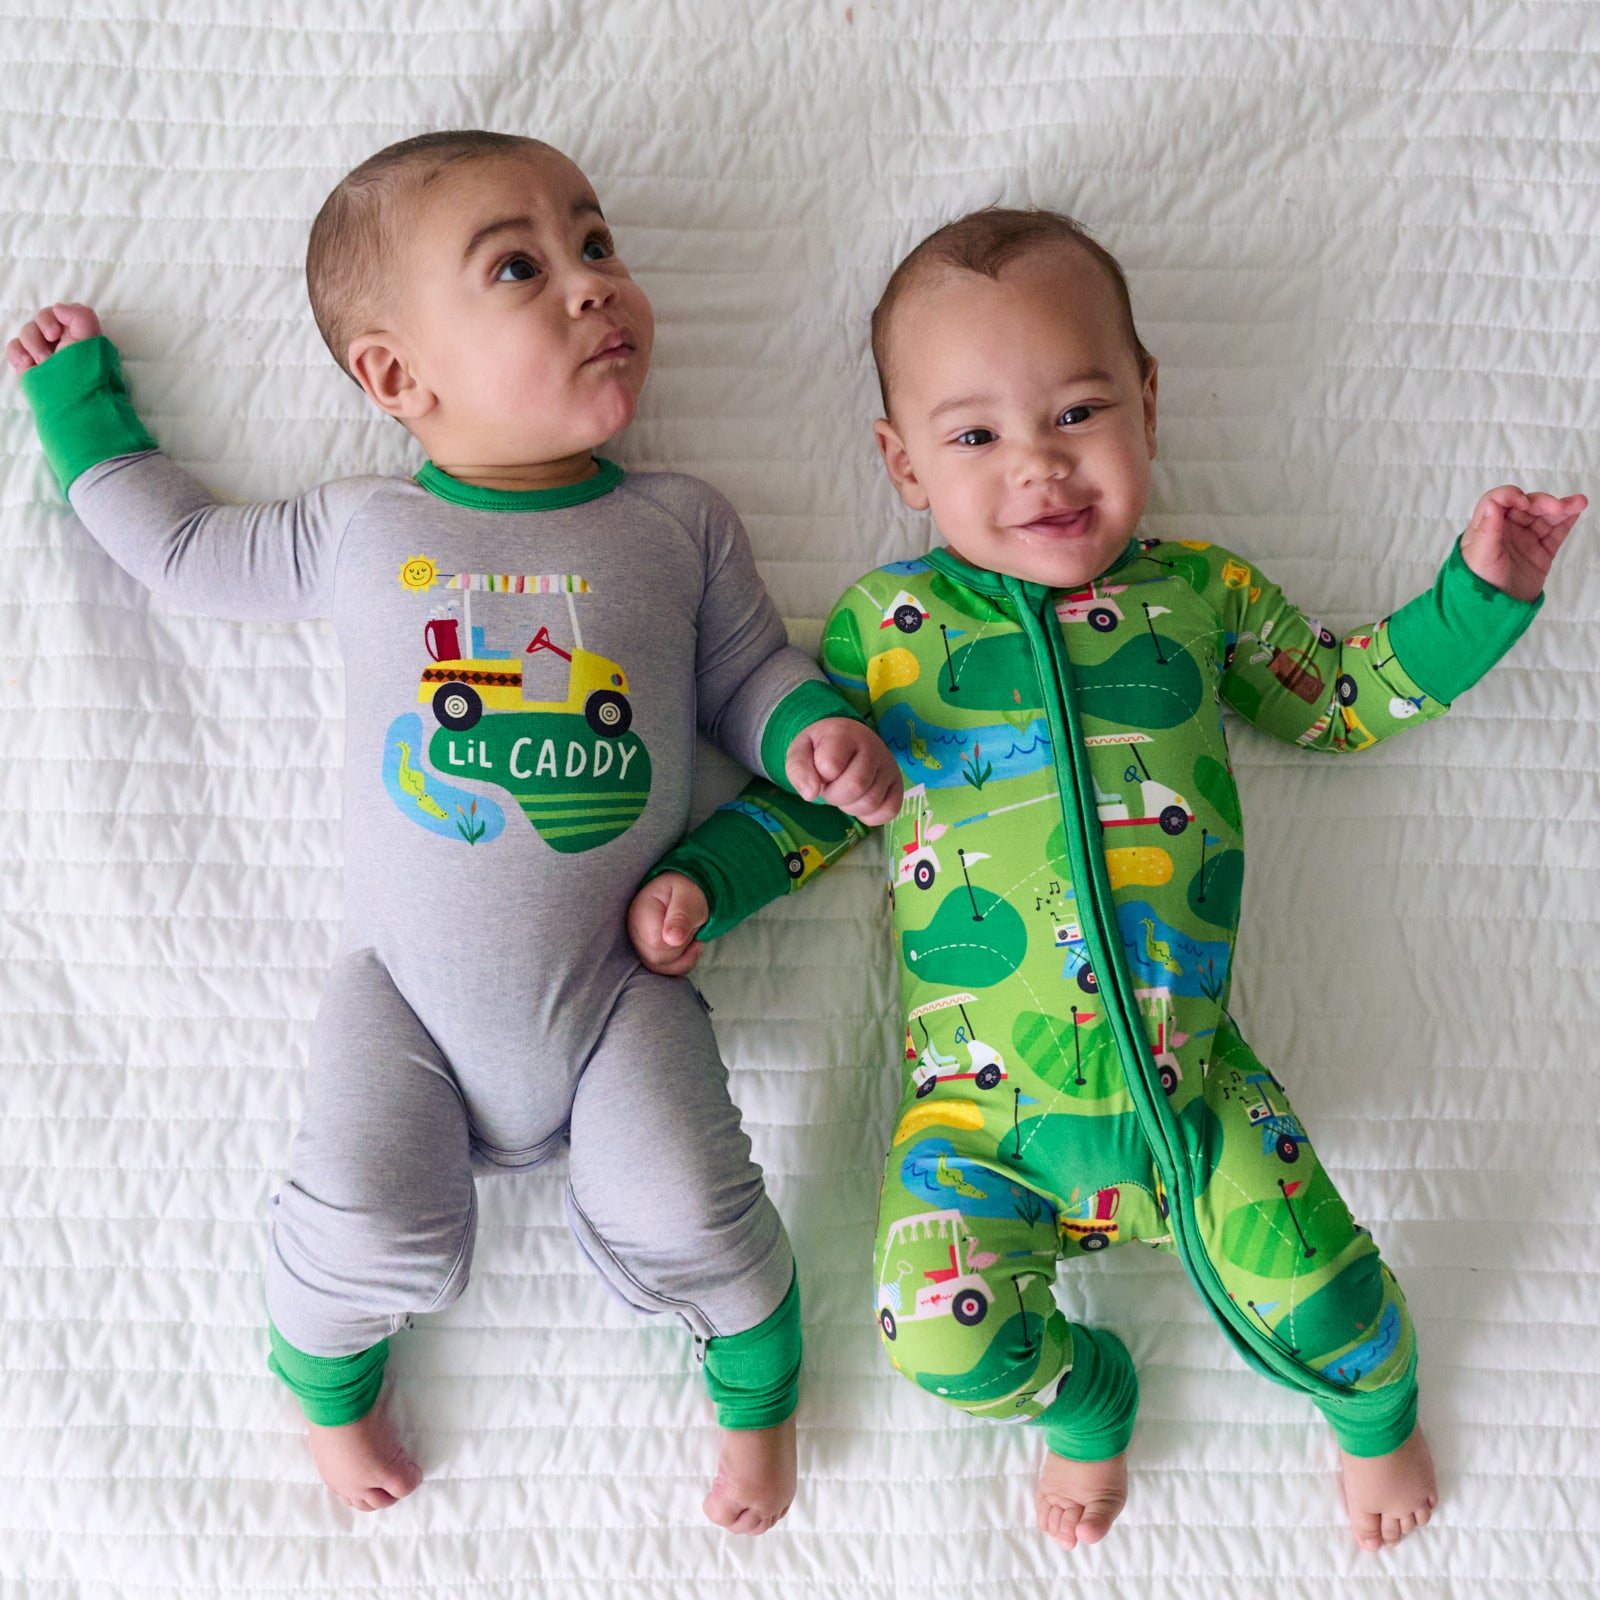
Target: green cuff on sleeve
806, 703
736, 864
331, 1389
82, 410
1451, 636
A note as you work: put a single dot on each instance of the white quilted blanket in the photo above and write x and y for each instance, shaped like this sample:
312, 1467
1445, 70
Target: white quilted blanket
1364, 240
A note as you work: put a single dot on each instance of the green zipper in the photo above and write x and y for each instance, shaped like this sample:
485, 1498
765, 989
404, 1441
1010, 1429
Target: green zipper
1073, 781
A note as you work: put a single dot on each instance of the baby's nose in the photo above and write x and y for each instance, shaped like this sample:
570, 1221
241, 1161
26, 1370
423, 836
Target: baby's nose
589, 290
1042, 463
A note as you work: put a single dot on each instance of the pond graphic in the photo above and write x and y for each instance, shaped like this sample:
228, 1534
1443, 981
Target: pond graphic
943, 758
425, 798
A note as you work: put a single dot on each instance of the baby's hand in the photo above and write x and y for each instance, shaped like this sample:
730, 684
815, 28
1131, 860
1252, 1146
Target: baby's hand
845, 763
1513, 538
663, 920
53, 329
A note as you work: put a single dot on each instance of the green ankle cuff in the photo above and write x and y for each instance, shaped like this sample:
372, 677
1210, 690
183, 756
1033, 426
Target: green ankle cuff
1374, 1422
754, 1377
331, 1389
1092, 1415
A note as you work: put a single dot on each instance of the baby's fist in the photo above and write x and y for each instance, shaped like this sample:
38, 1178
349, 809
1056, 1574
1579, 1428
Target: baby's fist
663, 920
1513, 538
845, 763
53, 329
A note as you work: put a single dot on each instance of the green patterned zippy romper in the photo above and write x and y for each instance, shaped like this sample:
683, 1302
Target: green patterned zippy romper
1065, 874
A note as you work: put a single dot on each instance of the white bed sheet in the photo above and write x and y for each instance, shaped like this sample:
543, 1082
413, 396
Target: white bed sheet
1364, 241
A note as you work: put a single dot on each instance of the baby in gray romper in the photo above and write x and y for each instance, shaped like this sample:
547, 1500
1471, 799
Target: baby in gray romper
530, 636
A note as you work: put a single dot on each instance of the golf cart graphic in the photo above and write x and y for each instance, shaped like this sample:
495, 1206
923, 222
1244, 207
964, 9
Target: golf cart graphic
800, 859
905, 612
1155, 1006
918, 862
1157, 805
1281, 1132
985, 1067
1091, 1224
1069, 937
1093, 605
571, 762
953, 1288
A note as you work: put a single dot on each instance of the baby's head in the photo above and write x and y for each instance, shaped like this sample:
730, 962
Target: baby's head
1020, 406
468, 283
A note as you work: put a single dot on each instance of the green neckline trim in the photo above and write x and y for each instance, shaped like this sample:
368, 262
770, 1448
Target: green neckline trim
440, 483
982, 581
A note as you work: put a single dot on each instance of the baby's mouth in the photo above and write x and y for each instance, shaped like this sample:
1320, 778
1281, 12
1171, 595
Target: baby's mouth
617, 344
1067, 523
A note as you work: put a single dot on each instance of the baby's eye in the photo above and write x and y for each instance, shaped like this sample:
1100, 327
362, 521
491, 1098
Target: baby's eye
517, 269
1073, 415
598, 247
975, 436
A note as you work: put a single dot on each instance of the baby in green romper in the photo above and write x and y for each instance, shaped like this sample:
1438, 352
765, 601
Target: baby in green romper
1066, 869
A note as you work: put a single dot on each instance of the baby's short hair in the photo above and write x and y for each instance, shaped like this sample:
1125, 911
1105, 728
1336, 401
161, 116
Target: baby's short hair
988, 241
355, 240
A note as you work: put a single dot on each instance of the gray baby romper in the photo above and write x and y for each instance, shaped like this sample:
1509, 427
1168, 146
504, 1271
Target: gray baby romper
524, 673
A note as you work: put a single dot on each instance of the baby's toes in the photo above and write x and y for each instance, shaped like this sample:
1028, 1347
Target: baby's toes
1093, 1526
1060, 1521
1367, 1526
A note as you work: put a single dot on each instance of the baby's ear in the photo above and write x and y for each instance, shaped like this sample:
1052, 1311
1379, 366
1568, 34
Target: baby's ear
898, 464
379, 365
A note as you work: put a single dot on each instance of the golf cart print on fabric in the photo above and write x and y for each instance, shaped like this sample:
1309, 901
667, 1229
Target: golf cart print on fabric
560, 745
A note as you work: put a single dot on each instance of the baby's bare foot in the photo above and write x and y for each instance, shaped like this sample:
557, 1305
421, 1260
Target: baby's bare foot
363, 1462
755, 1480
1077, 1501
1389, 1496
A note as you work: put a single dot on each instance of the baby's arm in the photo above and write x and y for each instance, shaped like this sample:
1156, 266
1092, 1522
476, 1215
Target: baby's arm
765, 702
763, 843
271, 563
1296, 680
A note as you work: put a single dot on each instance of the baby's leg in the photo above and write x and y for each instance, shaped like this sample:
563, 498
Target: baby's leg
666, 1201
965, 1310
375, 1222
1286, 1250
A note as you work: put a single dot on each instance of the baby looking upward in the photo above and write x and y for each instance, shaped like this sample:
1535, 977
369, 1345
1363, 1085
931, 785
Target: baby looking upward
530, 637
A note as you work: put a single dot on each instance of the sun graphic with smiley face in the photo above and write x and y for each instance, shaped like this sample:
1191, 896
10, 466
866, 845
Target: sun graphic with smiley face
419, 574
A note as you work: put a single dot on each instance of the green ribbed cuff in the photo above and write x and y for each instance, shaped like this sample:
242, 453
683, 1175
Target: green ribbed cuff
806, 703
734, 861
1451, 636
1092, 1415
82, 410
1374, 1422
331, 1389
753, 1378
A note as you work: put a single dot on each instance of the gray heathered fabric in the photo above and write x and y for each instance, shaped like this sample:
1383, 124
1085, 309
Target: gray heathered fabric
484, 974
